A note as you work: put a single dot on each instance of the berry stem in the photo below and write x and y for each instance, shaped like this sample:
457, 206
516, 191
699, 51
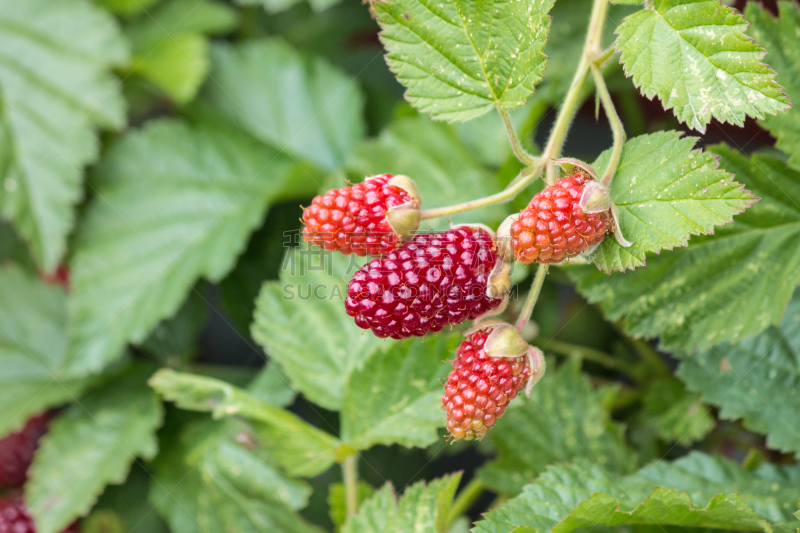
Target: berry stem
533, 295
465, 499
350, 475
584, 352
519, 151
591, 53
616, 125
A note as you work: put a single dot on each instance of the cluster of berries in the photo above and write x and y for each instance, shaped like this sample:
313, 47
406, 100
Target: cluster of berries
16, 455
420, 282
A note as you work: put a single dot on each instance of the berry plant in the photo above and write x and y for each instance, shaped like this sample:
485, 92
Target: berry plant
488, 266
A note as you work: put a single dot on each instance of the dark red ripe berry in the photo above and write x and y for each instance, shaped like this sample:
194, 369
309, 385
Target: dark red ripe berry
14, 517
434, 280
352, 220
479, 388
16, 451
554, 227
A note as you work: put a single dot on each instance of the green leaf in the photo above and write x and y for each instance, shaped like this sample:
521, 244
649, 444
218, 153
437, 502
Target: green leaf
722, 288
271, 385
174, 340
337, 501
421, 508
297, 446
170, 46
402, 388
91, 445
127, 7
690, 492
564, 419
445, 170
276, 6
780, 38
695, 56
57, 90
459, 59
677, 415
756, 380
298, 104
661, 203
770, 490
206, 481
173, 203
32, 349
302, 325
128, 503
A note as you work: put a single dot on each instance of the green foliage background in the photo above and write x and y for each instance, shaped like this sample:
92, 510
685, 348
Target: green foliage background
204, 376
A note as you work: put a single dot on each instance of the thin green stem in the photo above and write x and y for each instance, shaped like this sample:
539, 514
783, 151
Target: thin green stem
616, 125
465, 499
533, 295
591, 51
519, 151
584, 352
504, 196
350, 475
650, 357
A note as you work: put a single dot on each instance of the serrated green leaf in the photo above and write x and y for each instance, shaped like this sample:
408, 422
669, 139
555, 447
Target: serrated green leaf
695, 56
696, 491
297, 446
770, 490
444, 169
295, 103
170, 46
663, 202
32, 348
174, 203
403, 390
301, 323
90, 446
459, 59
203, 476
56, 89
779, 37
423, 507
756, 380
337, 504
677, 415
721, 288
563, 419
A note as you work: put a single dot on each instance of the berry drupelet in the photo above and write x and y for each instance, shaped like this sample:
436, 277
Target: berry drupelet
554, 227
434, 280
369, 218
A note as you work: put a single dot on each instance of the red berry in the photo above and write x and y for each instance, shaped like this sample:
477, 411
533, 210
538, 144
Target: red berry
479, 388
60, 276
16, 451
554, 227
14, 517
434, 280
353, 219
